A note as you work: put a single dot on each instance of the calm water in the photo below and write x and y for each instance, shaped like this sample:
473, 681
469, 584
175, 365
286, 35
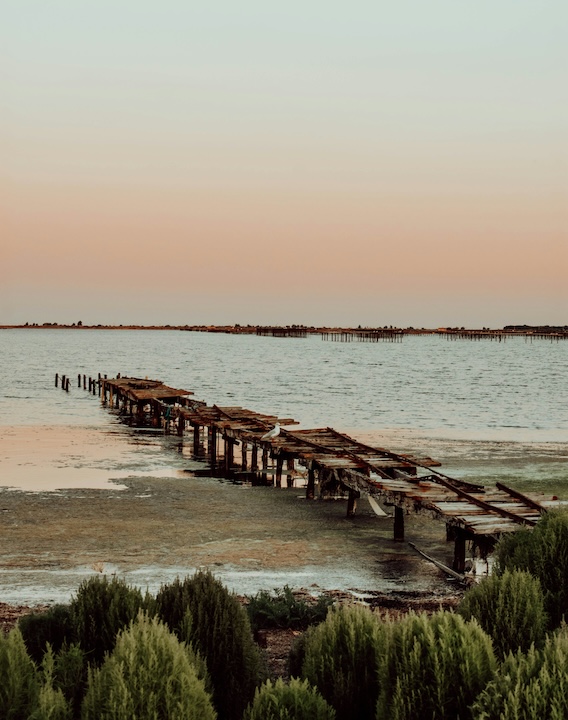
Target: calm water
489, 411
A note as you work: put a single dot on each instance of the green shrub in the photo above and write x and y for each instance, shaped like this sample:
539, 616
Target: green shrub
55, 626
281, 609
51, 704
148, 676
510, 608
100, 609
297, 655
19, 683
341, 657
172, 602
296, 701
436, 667
529, 687
543, 552
218, 627
70, 675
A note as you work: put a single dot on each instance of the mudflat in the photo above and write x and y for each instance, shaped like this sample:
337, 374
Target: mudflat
252, 538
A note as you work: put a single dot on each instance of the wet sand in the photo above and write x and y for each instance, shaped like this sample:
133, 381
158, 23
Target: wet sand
251, 538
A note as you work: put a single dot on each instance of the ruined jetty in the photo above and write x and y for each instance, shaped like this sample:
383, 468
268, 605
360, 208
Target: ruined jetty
243, 444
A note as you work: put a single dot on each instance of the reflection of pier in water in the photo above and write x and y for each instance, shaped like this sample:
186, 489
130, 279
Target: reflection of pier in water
327, 463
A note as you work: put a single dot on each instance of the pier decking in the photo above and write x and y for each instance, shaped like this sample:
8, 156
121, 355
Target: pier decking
242, 443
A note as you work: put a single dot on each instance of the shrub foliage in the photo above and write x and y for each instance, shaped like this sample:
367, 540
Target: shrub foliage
217, 626
341, 656
19, 683
281, 609
295, 701
436, 667
510, 608
100, 609
529, 687
543, 552
148, 676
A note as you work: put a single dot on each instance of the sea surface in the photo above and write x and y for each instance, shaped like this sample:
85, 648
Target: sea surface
489, 411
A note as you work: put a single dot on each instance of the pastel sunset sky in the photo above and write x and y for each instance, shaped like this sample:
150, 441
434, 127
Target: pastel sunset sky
312, 162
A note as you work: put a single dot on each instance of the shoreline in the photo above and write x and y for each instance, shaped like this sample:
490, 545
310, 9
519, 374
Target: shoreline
296, 331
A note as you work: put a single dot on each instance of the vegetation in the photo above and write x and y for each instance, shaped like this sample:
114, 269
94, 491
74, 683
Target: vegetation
436, 667
189, 652
149, 675
281, 609
294, 701
217, 626
510, 608
100, 609
19, 684
543, 552
55, 626
51, 702
529, 687
341, 656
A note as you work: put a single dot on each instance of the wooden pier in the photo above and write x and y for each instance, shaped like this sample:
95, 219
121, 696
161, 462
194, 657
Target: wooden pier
246, 445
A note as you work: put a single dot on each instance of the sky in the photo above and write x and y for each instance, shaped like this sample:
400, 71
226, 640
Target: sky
322, 163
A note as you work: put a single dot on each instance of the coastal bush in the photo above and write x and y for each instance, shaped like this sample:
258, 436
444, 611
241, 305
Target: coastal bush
341, 656
54, 626
281, 609
218, 627
19, 683
100, 609
531, 686
172, 602
510, 608
149, 675
294, 701
70, 675
296, 655
436, 667
543, 552
51, 702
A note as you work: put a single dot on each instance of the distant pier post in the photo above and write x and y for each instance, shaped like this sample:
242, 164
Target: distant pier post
56, 379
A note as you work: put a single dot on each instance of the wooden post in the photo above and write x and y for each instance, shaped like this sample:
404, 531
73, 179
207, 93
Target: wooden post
67, 381
290, 469
181, 425
398, 524
254, 459
84, 382
244, 459
79, 380
264, 464
56, 379
195, 440
311, 486
213, 447
229, 445
63, 379
459, 551
279, 464
352, 502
